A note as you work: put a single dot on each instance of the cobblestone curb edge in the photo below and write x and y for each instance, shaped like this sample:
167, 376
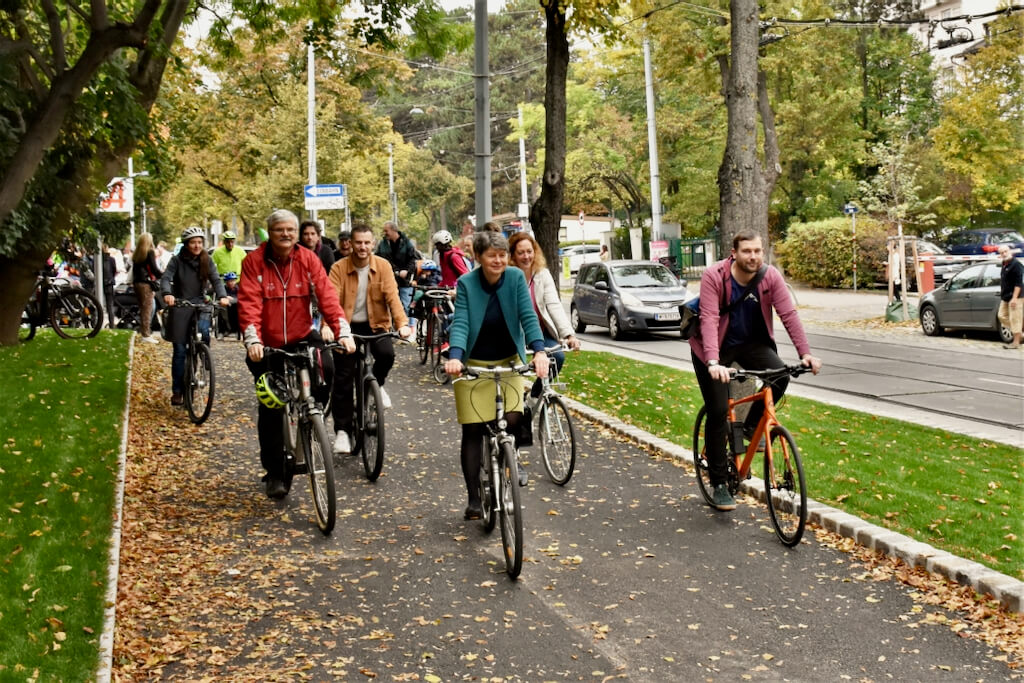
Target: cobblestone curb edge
1006, 589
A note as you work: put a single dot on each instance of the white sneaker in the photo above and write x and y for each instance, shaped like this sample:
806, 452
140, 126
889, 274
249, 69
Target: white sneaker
341, 443
385, 400
151, 340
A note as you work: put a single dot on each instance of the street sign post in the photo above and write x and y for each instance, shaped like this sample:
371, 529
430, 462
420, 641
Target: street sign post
320, 197
851, 210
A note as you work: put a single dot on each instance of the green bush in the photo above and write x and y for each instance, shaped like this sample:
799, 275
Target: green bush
821, 253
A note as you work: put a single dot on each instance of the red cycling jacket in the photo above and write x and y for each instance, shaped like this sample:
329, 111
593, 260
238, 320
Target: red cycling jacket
274, 298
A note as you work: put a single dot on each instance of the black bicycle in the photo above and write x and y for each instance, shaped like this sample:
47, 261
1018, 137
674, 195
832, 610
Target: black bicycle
430, 330
71, 311
368, 425
199, 376
499, 469
307, 445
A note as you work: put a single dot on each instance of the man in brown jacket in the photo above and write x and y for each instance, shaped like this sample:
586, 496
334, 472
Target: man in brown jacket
368, 293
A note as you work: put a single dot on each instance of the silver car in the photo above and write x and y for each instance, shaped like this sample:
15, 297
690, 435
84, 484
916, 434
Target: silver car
969, 301
627, 296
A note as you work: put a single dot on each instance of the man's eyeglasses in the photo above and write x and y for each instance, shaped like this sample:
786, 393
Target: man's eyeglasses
279, 231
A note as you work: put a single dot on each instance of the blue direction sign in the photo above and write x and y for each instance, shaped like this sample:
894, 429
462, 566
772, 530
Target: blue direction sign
325, 197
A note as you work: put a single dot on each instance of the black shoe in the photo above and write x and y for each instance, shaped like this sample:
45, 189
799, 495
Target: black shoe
276, 489
473, 511
177, 399
524, 476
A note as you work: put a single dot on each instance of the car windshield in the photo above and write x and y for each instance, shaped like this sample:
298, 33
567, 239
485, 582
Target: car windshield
1007, 237
644, 275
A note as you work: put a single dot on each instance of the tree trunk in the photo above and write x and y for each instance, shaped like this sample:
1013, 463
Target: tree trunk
17, 280
745, 183
546, 212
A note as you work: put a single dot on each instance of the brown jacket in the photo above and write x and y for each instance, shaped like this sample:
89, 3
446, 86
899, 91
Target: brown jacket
382, 303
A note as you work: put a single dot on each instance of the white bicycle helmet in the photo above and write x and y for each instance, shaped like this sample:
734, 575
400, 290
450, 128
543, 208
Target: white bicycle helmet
442, 237
189, 233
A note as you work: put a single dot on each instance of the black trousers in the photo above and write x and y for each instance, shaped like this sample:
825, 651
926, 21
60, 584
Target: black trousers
750, 356
270, 422
343, 400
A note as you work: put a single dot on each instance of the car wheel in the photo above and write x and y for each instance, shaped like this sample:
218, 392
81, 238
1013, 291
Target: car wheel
614, 326
574, 316
1004, 332
930, 321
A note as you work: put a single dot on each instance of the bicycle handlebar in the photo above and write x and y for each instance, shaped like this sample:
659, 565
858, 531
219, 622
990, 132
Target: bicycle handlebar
185, 303
769, 374
475, 371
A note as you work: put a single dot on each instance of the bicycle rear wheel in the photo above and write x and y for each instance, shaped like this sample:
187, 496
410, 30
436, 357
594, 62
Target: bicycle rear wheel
784, 490
317, 446
511, 512
424, 334
700, 458
199, 384
27, 329
372, 420
557, 436
76, 314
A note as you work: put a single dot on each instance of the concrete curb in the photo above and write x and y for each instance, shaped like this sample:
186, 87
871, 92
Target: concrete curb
106, 653
1006, 589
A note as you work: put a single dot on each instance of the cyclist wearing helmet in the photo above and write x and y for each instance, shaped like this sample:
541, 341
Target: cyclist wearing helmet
188, 275
227, 257
274, 310
451, 258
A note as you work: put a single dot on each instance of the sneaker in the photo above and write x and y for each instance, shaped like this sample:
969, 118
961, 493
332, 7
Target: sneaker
385, 400
1011, 346
177, 399
722, 499
151, 339
341, 443
276, 489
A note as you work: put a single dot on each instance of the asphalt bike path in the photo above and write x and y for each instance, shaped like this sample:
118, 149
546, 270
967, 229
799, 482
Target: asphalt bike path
627, 574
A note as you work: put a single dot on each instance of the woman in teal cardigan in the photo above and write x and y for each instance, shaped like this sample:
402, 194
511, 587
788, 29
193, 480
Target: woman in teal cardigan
494, 323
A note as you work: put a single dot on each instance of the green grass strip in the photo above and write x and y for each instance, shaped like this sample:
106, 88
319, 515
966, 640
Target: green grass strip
954, 492
61, 427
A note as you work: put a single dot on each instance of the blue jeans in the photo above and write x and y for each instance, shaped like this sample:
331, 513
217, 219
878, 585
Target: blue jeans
178, 359
405, 296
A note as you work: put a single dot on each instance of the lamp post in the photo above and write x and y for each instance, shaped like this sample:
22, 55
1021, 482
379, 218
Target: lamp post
132, 175
392, 197
851, 211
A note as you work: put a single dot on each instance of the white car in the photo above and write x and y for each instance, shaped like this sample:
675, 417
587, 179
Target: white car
580, 254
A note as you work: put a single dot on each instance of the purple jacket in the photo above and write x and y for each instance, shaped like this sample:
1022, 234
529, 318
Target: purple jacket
716, 288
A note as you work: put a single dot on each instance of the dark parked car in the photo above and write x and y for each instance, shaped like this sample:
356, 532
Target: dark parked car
627, 296
983, 241
969, 301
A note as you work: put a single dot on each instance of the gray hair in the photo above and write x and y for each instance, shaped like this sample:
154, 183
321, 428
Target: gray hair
282, 216
485, 239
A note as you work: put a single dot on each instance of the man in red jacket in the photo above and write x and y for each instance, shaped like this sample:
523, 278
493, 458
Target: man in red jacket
274, 310
745, 336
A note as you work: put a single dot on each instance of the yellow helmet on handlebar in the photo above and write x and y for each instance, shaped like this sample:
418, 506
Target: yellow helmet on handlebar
270, 391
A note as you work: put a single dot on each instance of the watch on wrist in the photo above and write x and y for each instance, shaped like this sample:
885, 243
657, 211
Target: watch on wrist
712, 363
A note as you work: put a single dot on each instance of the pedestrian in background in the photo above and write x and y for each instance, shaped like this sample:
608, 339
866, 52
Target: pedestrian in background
398, 250
309, 237
146, 274
344, 245
1011, 282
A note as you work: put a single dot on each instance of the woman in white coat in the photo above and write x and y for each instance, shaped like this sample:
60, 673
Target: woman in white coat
528, 257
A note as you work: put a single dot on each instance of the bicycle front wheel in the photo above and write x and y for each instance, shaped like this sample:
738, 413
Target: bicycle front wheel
511, 512
424, 334
784, 490
700, 456
199, 384
557, 436
76, 314
372, 419
317, 448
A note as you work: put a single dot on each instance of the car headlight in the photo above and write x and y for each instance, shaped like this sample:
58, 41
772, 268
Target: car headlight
630, 300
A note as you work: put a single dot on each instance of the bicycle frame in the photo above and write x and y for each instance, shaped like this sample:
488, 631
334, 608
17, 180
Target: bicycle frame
763, 429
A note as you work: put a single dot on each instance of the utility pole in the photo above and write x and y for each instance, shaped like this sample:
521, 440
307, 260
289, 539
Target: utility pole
524, 204
392, 197
482, 115
652, 145
311, 118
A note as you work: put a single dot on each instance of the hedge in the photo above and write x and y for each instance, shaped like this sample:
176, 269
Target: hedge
820, 253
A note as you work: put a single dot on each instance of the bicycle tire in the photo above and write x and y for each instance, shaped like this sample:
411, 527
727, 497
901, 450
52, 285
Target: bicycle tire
488, 501
424, 347
511, 512
320, 466
199, 384
557, 436
76, 314
784, 487
373, 430
700, 458
27, 328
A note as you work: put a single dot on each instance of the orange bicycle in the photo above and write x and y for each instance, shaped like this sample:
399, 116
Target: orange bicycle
784, 489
